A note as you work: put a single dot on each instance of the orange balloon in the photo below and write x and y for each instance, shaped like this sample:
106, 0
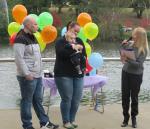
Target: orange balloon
49, 34
19, 12
83, 18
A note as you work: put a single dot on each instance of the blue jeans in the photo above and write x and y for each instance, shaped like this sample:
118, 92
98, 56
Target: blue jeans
31, 93
70, 90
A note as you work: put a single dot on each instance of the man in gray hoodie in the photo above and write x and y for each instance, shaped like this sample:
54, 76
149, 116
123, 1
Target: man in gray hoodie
28, 62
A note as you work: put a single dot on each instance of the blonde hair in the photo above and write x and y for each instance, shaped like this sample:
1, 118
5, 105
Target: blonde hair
142, 41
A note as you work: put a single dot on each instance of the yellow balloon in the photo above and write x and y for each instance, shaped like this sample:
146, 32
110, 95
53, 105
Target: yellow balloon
87, 48
91, 30
13, 27
40, 41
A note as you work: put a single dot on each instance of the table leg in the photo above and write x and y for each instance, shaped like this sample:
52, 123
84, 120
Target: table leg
92, 99
49, 102
99, 102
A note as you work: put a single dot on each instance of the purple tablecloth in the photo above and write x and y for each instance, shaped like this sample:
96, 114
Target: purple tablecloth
95, 82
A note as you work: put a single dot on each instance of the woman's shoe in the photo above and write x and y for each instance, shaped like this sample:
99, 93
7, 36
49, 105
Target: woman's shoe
134, 123
68, 126
74, 124
124, 124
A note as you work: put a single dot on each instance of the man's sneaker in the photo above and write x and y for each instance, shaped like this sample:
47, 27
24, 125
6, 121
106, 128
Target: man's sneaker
29, 128
75, 125
49, 125
68, 126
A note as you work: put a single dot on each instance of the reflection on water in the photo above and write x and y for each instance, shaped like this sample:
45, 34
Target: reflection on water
9, 89
106, 49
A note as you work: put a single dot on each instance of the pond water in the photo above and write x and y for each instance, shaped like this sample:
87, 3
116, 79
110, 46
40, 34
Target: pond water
9, 89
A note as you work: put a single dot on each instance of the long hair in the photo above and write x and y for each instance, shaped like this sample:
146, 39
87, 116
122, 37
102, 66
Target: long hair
142, 41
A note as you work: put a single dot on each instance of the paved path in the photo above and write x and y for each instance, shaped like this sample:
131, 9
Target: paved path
87, 119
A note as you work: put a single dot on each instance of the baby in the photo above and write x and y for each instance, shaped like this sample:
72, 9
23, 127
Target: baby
126, 50
75, 57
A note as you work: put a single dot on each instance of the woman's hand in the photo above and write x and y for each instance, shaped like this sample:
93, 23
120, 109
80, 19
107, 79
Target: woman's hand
77, 47
123, 57
124, 42
73, 46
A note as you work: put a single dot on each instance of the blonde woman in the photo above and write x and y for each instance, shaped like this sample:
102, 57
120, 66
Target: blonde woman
132, 74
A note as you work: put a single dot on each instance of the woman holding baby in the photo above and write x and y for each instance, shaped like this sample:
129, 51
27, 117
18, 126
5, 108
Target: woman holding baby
132, 73
70, 53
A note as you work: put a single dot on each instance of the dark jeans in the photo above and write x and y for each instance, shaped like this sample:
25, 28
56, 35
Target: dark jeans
70, 90
130, 88
31, 93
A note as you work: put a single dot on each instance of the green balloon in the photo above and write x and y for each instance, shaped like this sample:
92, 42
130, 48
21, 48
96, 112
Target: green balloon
82, 36
45, 19
13, 27
91, 30
34, 16
88, 49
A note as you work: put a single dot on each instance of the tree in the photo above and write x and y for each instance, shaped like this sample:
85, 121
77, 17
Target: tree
78, 5
4, 17
68, 3
4, 12
139, 6
36, 6
11, 4
59, 3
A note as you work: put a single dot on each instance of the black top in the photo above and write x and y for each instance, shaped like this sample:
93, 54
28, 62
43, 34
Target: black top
63, 65
25, 38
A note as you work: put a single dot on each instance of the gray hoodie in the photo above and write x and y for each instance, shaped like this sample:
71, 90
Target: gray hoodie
27, 55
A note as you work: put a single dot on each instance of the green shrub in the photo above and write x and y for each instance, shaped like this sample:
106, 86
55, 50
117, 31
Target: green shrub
4, 35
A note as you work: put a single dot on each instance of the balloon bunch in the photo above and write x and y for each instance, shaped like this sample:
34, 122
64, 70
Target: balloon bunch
88, 31
48, 32
96, 61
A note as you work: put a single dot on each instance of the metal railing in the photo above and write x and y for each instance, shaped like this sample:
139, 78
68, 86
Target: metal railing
13, 59
53, 59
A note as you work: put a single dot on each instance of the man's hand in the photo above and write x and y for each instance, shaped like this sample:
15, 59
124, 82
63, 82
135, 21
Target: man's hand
29, 77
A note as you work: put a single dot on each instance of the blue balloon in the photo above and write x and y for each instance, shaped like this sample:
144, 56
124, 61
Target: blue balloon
96, 60
63, 31
92, 72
